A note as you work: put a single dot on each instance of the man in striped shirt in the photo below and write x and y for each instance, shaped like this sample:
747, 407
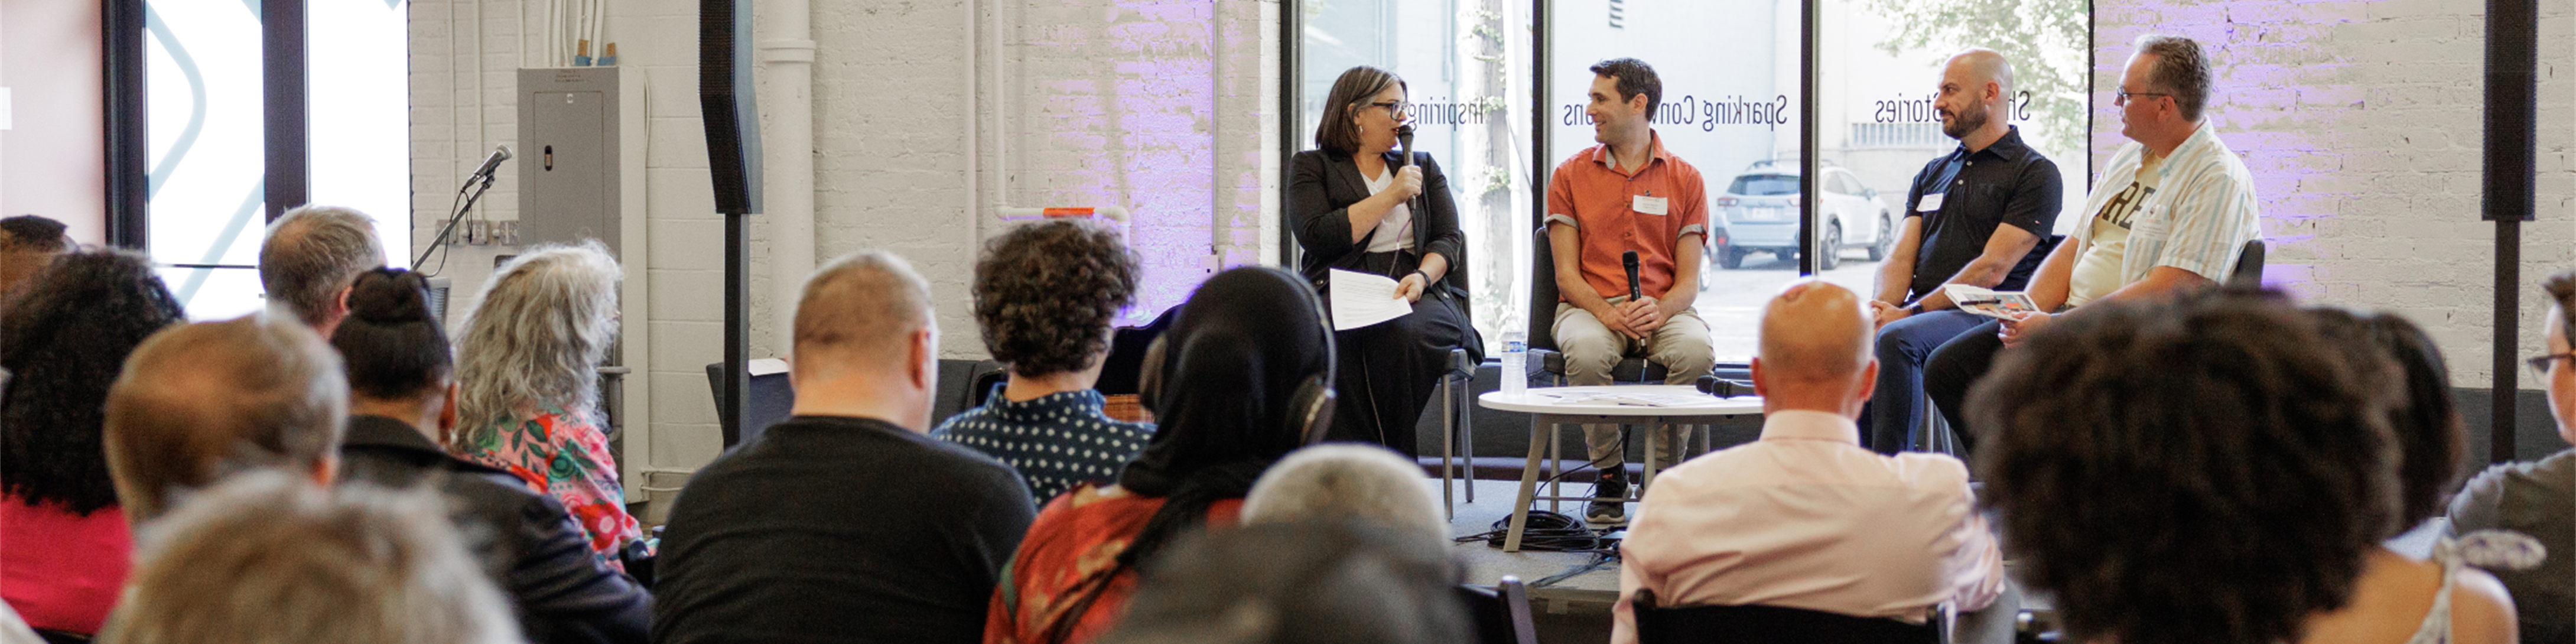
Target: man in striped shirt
2170, 213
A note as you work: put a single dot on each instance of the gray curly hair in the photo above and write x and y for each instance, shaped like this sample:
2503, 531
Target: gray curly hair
536, 337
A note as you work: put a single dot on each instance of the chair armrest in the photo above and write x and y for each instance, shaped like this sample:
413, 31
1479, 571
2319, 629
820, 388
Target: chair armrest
1545, 361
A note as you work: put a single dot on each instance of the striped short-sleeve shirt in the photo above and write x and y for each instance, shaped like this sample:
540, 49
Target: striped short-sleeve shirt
2197, 219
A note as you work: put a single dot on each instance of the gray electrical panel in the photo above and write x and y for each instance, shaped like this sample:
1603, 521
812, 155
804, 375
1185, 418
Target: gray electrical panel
570, 147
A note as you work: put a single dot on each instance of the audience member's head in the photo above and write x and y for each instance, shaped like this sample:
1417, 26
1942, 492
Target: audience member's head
311, 254
1298, 583
2558, 366
63, 344
33, 232
1344, 482
867, 341
27, 242
2422, 418
201, 402
1243, 376
535, 339
266, 558
2197, 470
1815, 350
398, 359
1045, 294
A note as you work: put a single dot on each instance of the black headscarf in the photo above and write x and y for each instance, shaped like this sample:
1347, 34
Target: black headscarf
1221, 384
1228, 368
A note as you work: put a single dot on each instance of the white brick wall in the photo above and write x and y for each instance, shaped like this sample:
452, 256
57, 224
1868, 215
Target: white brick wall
1163, 107
2361, 120
2361, 123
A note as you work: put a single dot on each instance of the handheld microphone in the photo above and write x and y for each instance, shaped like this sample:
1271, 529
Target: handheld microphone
1723, 388
1404, 135
500, 153
1629, 260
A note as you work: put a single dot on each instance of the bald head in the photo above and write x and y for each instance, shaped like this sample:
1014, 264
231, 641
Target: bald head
311, 255
858, 313
1815, 331
1979, 66
198, 402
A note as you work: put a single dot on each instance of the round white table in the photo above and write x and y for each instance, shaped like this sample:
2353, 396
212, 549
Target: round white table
1652, 405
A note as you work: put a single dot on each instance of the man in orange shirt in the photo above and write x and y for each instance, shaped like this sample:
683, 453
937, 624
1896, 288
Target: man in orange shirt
1626, 194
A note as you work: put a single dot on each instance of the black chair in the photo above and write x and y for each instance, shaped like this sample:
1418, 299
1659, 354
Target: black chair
1658, 624
1546, 360
1501, 613
2249, 265
770, 401
1544, 357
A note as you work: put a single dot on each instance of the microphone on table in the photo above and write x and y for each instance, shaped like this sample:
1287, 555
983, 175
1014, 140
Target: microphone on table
1723, 388
1629, 260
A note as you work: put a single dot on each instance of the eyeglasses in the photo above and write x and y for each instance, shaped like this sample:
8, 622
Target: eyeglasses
2122, 98
1394, 109
2541, 363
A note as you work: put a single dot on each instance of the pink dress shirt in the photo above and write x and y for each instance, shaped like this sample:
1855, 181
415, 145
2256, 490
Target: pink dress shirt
1807, 518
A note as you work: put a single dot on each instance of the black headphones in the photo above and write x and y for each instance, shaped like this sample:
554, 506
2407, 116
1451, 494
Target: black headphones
1310, 408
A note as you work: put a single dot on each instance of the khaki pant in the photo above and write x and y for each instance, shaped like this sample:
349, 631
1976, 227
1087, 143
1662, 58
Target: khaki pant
1591, 350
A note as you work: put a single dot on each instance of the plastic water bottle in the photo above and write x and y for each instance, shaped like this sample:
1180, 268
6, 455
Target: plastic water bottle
1515, 362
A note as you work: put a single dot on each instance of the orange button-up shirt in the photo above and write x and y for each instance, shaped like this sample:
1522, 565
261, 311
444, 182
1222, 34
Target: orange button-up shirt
1600, 202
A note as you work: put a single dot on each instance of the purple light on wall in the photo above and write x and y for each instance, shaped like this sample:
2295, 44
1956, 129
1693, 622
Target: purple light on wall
1132, 127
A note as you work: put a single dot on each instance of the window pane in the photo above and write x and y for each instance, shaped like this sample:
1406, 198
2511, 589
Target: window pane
1882, 64
1729, 108
360, 127
203, 116
1466, 66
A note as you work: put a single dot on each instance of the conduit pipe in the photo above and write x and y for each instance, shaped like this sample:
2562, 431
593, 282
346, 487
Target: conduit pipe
787, 97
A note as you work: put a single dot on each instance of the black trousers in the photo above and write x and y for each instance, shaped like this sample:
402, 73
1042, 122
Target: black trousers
1386, 373
1954, 368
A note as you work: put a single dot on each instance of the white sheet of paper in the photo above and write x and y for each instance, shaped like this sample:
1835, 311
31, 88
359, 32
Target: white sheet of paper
1930, 202
1361, 299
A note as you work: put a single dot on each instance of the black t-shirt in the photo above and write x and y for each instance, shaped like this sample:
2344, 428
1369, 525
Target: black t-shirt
830, 529
2005, 184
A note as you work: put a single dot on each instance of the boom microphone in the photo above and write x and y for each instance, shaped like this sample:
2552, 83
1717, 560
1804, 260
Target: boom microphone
1629, 260
1723, 388
500, 153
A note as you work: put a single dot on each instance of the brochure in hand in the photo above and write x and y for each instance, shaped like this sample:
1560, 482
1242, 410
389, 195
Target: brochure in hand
1993, 304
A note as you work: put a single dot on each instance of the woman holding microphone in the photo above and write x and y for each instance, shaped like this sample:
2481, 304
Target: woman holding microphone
1358, 204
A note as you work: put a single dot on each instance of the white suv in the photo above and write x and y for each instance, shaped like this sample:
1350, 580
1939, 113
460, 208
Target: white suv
1759, 213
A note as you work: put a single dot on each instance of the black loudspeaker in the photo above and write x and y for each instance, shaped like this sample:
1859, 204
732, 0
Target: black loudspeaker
725, 100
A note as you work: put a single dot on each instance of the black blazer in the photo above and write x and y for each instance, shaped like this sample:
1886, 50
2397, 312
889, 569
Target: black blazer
1320, 194
525, 540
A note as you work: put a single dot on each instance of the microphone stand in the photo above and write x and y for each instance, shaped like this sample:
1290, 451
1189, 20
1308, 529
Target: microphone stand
444, 232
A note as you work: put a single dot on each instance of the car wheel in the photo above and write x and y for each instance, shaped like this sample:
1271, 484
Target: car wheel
1832, 255
1886, 239
1731, 258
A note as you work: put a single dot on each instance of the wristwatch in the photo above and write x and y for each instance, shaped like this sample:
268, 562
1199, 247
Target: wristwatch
1914, 309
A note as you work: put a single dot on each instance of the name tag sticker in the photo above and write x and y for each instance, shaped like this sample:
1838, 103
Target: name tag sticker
1647, 205
1930, 202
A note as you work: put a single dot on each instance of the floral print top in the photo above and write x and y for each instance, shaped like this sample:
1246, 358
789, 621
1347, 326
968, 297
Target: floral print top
564, 455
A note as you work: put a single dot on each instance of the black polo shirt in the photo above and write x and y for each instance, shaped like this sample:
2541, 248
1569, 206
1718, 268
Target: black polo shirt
2006, 183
